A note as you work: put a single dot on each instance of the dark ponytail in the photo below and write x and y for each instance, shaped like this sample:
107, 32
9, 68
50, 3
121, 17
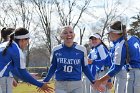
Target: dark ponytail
9, 43
2, 33
5, 32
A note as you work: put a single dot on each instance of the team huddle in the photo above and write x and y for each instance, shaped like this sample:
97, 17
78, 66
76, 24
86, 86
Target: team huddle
104, 67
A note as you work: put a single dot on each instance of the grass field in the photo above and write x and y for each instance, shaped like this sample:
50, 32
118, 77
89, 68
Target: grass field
24, 88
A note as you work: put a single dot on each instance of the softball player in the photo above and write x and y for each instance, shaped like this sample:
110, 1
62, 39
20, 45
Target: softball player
100, 59
119, 58
68, 60
132, 84
120, 80
5, 32
13, 60
92, 67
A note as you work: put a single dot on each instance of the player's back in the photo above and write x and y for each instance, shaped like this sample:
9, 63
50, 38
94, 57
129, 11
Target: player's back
134, 51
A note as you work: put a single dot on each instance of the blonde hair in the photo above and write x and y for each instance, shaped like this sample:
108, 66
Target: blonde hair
63, 28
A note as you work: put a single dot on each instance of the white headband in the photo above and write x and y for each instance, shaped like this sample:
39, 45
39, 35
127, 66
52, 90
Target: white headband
22, 36
109, 29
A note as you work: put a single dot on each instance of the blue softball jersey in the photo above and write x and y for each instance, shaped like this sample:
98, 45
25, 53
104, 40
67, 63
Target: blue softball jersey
68, 63
15, 61
118, 54
100, 57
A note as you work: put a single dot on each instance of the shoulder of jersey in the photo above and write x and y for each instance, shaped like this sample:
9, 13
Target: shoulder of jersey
80, 47
4, 44
57, 47
100, 46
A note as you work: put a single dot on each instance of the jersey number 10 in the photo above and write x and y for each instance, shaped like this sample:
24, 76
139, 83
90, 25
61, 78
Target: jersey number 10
68, 68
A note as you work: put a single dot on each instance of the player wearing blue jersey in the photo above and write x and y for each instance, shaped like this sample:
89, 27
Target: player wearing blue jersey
5, 32
119, 58
68, 61
88, 88
120, 78
100, 59
132, 84
13, 60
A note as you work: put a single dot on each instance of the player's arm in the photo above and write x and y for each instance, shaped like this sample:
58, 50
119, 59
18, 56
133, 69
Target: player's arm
85, 67
18, 60
52, 68
16, 73
25, 76
119, 62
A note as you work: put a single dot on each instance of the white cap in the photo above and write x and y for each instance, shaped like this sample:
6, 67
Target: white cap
95, 35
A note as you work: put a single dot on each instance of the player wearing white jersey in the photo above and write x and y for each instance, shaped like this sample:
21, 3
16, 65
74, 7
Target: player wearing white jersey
100, 60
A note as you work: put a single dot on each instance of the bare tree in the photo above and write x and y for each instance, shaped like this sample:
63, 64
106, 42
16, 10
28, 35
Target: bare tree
44, 11
8, 17
111, 13
68, 15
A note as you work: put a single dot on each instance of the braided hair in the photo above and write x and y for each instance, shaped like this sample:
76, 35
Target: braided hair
17, 32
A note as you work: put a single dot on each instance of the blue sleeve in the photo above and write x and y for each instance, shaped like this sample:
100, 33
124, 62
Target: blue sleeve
86, 69
99, 63
104, 62
18, 59
93, 70
87, 72
16, 73
25, 76
108, 61
52, 69
114, 70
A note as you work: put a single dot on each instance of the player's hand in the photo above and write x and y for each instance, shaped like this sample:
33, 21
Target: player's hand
90, 61
15, 83
109, 85
99, 85
46, 88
